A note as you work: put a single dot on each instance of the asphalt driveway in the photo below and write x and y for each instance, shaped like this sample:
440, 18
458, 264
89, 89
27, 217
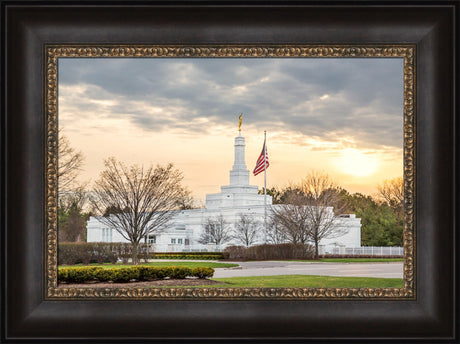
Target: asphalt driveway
271, 268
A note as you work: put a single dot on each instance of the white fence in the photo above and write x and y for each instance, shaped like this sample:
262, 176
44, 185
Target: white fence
365, 250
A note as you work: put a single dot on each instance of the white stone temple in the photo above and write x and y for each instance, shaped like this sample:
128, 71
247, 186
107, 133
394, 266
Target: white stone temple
182, 232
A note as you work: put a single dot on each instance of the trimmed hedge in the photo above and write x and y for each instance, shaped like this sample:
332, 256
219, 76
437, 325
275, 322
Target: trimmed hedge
186, 256
189, 254
133, 273
203, 272
78, 275
270, 251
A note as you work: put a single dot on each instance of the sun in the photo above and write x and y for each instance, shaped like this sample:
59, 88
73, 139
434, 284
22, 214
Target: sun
357, 163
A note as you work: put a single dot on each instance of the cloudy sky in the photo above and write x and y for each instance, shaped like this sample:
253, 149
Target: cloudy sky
343, 116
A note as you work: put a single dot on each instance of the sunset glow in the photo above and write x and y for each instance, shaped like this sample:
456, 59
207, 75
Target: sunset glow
357, 163
340, 116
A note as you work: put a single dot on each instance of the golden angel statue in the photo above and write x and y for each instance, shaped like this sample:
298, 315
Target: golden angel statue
241, 121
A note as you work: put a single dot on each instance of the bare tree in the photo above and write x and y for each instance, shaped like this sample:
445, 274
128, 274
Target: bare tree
76, 198
324, 206
70, 163
72, 197
246, 229
216, 231
275, 232
292, 219
146, 196
392, 192
186, 200
312, 211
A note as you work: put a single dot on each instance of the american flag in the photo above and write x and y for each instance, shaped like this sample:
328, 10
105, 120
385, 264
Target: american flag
262, 162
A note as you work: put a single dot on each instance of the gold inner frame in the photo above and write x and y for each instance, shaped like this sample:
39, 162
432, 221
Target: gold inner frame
54, 52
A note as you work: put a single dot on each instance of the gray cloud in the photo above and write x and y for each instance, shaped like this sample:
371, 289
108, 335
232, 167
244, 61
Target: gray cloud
326, 98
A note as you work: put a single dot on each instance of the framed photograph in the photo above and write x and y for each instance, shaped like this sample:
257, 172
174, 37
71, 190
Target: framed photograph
365, 93
181, 87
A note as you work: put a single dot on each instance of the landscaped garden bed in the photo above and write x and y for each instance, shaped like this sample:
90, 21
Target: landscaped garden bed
186, 282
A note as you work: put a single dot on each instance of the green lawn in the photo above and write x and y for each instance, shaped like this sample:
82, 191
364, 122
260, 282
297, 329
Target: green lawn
174, 263
301, 281
306, 281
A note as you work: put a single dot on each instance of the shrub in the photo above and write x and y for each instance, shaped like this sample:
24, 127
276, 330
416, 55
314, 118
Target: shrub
125, 275
74, 253
191, 256
180, 272
78, 275
270, 251
165, 271
70, 253
85, 253
187, 255
149, 273
234, 252
203, 272
104, 275
102, 253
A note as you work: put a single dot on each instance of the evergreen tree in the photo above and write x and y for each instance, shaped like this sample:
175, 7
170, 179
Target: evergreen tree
380, 226
71, 217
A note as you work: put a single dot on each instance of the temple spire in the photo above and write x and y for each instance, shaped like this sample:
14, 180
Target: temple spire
239, 175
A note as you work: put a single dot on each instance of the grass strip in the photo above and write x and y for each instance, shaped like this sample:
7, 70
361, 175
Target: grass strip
308, 281
299, 281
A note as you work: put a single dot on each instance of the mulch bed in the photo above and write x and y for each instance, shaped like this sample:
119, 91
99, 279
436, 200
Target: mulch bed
157, 283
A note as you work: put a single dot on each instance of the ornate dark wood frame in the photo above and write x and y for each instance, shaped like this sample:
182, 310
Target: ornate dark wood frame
31, 313
407, 53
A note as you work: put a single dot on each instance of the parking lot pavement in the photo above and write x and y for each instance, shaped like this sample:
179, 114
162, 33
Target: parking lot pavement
271, 268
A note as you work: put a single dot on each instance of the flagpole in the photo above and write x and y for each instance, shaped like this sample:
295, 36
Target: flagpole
265, 184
